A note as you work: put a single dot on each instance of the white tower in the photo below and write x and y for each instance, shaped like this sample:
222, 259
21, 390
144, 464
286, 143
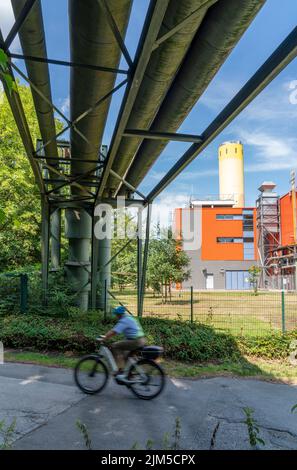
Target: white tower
231, 172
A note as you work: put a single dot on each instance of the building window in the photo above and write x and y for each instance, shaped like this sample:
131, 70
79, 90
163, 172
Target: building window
229, 217
229, 240
248, 234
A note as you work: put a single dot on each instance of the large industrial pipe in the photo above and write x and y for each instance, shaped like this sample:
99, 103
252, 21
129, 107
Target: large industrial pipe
224, 24
91, 41
160, 73
32, 38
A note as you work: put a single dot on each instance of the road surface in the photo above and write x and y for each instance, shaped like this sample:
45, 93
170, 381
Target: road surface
46, 406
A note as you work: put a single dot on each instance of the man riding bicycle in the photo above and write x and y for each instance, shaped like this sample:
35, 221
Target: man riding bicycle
134, 338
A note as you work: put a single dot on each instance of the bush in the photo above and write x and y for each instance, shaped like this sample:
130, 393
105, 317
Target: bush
181, 340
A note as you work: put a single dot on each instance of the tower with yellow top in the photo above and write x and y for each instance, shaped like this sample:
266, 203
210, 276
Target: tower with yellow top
231, 172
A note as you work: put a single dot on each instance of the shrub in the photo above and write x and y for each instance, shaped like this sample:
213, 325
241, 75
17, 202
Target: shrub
181, 340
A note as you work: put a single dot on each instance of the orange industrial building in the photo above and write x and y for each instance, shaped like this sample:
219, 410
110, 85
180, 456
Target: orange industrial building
229, 238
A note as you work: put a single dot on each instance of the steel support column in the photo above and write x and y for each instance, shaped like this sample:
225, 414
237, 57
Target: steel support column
55, 239
94, 266
45, 235
78, 231
145, 259
104, 272
139, 261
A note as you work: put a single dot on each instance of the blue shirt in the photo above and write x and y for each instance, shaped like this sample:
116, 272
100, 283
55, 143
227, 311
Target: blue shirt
128, 326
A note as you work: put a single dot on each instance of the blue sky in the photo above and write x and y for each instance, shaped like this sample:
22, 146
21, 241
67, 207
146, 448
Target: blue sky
267, 127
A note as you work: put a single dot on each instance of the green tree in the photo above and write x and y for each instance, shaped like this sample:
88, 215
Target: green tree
167, 264
254, 273
124, 266
19, 195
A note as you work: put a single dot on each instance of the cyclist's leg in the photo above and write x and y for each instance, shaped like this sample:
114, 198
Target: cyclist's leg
121, 349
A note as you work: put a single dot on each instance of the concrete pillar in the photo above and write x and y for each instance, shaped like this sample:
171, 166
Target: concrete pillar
78, 231
56, 239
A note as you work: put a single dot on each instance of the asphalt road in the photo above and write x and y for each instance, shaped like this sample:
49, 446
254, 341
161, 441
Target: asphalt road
46, 406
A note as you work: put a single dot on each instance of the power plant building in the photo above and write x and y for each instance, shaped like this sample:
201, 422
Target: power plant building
232, 237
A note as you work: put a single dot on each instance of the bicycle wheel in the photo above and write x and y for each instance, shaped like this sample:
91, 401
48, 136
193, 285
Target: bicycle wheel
148, 379
91, 374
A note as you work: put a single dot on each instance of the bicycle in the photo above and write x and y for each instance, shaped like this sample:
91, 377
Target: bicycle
143, 374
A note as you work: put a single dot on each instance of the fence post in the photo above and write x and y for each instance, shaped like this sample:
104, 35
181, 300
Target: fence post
192, 305
283, 312
23, 293
105, 299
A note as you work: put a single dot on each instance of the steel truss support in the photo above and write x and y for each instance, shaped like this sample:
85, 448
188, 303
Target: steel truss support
113, 26
162, 135
145, 260
182, 24
18, 23
150, 32
17, 109
126, 183
97, 68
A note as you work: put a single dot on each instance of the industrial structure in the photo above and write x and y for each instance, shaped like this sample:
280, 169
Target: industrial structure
231, 170
226, 245
231, 238
279, 246
182, 46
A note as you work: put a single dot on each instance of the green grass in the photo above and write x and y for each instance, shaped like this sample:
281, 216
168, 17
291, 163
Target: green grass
247, 367
240, 313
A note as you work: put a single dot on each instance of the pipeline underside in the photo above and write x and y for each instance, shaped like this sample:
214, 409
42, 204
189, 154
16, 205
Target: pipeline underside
176, 75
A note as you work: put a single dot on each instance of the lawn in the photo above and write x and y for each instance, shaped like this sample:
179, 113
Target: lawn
242, 313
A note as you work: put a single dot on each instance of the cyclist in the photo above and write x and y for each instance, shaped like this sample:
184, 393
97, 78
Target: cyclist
134, 337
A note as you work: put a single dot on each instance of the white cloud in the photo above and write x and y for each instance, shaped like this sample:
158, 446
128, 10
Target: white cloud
65, 105
164, 206
271, 153
6, 22
218, 94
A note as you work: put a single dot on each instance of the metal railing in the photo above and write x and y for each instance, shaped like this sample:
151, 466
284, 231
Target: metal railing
13, 292
238, 312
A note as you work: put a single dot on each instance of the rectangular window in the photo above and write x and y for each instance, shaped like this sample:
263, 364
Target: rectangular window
229, 240
229, 217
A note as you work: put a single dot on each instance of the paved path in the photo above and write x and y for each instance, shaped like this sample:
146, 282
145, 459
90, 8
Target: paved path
47, 405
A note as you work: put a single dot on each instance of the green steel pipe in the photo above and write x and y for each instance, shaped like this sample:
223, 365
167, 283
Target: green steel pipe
91, 42
78, 226
32, 38
160, 71
221, 29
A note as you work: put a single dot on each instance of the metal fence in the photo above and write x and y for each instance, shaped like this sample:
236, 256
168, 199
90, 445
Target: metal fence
239, 312
13, 293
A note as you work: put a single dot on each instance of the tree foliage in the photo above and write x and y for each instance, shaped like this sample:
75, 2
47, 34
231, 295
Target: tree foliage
124, 266
19, 197
167, 264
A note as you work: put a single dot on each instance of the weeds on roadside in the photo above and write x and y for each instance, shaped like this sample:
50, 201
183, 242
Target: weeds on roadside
166, 445
7, 434
253, 428
85, 434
